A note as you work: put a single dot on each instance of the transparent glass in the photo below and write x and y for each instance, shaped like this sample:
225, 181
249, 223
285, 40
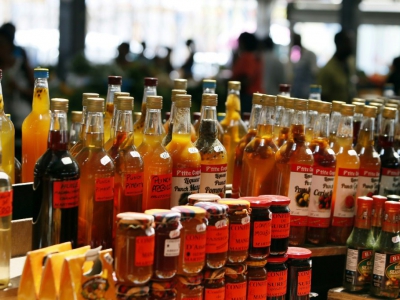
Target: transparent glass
139, 126
110, 110
5, 233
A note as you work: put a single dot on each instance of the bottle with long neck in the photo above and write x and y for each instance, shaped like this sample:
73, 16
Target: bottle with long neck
7, 139
259, 170
181, 85
186, 159
315, 92
150, 89
169, 125
378, 124
279, 111
335, 119
75, 129
319, 207
390, 162
56, 186
286, 121
35, 127
312, 115
295, 162
114, 85
96, 202
212, 152
358, 117
346, 178
157, 172
370, 163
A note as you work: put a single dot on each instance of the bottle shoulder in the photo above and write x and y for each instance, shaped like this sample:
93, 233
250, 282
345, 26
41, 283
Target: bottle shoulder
94, 159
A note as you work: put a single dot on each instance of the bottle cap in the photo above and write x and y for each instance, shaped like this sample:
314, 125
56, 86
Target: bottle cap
280, 100
377, 100
277, 259
379, 106
196, 115
235, 204
392, 105
180, 84
277, 200
135, 218
300, 104
379, 199
369, 111
389, 113
359, 108
40, 73
1, 74
115, 80
154, 102
324, 107
315, 88
337, 105
125, 103
150, 81
298, 253
119, 94
76, 116
393, 197
257, 98
183, 100
95, 104
347, 110
364, 205
190, 211
284, 88
269, 100
209, 100
234, 85
213, 209
289, 103
361, 100
394, 101
209, 84
86, 96
203, 197
257, 201
176, 92
59, 104
164, 216
314, 104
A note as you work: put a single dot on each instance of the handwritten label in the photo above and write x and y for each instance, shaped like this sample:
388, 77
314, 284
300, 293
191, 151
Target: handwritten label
6, 203
133, 184
66, 193
262, 234
144, 251
161, 186
104, 189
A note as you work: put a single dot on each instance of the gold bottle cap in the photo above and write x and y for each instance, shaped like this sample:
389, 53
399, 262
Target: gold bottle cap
154, 102
76, 116
289, 103
392, 105
337, 105
209, 81
280, 100
389, 113
180, 84
119, 94
370, 111
59, 104
257, 98
361, 100
269, 100
379, 106
324, 107
125, 103
359, 107
86, 96
313, 104
95, 104
209, 100
394, 101
183, 100
347, 110
234, 85
300, 104
378, 100
177, 92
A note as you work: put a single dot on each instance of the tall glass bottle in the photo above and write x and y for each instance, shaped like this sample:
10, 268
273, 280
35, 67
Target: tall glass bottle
169, 125
233, 126
96, 199
358, 117
150, 89
378, 124
279, 111
335, 119
35, 127
295, 162
312, 115
180, 84
186, 159
286, 121
157, 174
212, 152
258, 171
315, 92
7, 139
319, 207
75, 129
114, 85
255, 118
346, 178
56, 186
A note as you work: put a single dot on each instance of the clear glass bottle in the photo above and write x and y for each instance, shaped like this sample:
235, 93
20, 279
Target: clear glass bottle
335, 118
279, 111
357, 119
378, 124
315, 92
114, 85
284, 89
75, 129
312, 115
286, 121
169, 125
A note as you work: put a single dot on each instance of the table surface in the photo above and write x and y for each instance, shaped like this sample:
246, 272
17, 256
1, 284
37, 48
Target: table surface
340, 294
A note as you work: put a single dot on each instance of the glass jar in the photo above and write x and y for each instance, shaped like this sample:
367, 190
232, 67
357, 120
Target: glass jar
189, 287
162, 289
235, 282
256, 279
214, 284
134, 248
193, 240
202, 197
167, 242
217, 234
299, 274
126, 292
239, 229
277, 272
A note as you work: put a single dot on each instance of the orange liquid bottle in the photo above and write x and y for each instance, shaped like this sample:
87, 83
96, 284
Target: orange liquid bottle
157, 174
114, 85
186, 160
179, 84
295, 162
282, 136
346, 178
259, 169
97, 182
169, 125
35, 128
334, 121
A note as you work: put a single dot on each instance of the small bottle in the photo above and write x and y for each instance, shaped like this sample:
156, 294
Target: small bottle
312, 115
277, 272
286, 121
284, 90
334, 122
299, 274
35, 128
169, 125
358, 271
56, 186
75, 129
157, 173
114, 85
315, 92
357, 119
236, 282
257, 285
378, 214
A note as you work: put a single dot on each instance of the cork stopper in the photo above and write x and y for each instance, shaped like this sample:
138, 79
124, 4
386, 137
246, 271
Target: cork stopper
313, 104
180, 84
370, 111
125, 103
269, 100
176, 92
289, 103
154, 102
183, 101
347, 110
209, 100
115, 80
86, 96
389, 113
280, 100
150, 81
95, 104
76, 116
324, 107
59, 104
257, 98
300, 104
234, 85
359, 107
337, 105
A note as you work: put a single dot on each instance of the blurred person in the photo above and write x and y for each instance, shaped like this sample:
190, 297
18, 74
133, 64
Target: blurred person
122, 58
188, 65
394, 75
273, 70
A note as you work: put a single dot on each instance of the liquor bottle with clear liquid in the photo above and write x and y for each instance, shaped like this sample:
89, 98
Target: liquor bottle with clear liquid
75, 129
334, 121
169, 125
114, 85
56, 186
357, 119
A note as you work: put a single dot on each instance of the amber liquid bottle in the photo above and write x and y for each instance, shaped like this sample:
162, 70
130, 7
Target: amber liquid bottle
346, 178
114, 85
169, 125
279, 112
286, 121
250, 135
319, 206
357, 119
294, 161
97, 180
312, 115
334, 121
157, 174
258, 172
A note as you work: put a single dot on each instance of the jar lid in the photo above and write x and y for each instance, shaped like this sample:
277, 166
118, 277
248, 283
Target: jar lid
190, 280
164, 216
213, 208
135, 218
190, 211
235, 269
277, 259
277, 200
162, 285
202, 197
378, 199
298, 253
115, 80
257, 201
391, 197
150, 81
256, 263
214, 273
235, 204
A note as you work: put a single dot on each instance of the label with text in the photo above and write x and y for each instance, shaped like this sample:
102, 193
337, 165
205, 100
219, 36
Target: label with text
161, 186
172, 247
214, 294
217, 239
390, 182
257, 289
195, 247
368, 183
144, 251
6, 199
262, 234
277, 282
66, 193
104, 189
303, 283
239, 236
185, 181
235, 291
358, 266
133, 184
280, 225
386, 271
213, 179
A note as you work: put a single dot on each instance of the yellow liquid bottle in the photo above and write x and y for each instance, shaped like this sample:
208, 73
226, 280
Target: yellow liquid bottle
35, 128
114, 85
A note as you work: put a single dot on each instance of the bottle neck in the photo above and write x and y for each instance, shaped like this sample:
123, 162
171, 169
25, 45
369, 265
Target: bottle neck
321, 126
209, 91
172, 113
1, 99
208, 122
58, 136
297, 128
390, 222
182, 123
149, 91
386, 137
41, 101
366, 135
112, 89
357, 117
123, 122
94, 130
255, 116
335, 119
279, 112
287, 117
315, 96
345, 128
267, 122
153, 124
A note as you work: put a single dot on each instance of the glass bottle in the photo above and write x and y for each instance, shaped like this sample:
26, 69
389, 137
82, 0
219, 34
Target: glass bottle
319, 208
233, 126
299, 273
114, 85
377, 214
358, 271
169, 125
277, 272
150, 89
96, 201
284, 89
346, 178
186, 159
279, 111
157, 174
35, 127
285, 123
255, 119
315, 92
214, 284
56, 186
357, 119
312, 115
257, 175
180, 84
334, 122
236, 282
294, 162
378, 124
212, 152
75, 129
390, 163
7, 140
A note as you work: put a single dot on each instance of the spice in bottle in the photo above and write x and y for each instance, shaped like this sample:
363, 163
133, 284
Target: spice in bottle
189, 287
239, 229
236, 282
131, 292
377, 214
162, 289
299, 274
256, 279
214, 284
277, 272
202, 197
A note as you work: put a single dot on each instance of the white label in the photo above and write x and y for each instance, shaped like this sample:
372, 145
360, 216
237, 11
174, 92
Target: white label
346, 187
201, 228
66, 160
184, 183
379, 264
105, 160
134, 154
193, 150
213, 179
245, 220
352, 260
321, 194
389, 182
367, 183
395, 239
164, 155
175, 233
171, 247
221, 224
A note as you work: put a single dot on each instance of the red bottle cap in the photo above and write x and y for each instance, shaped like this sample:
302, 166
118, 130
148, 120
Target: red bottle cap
298, 253
257, 201
150, 81
392, 205
379, 200
115, 80
277, 200
277, 259
284, 88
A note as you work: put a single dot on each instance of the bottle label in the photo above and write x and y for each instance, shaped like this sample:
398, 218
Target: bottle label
358, 266
144, 251
172, 247
185, 181
319, 208
133, 184
217, 239
299, 193
280, 225
195, 248
66, 193
235, 291
214, 294
104, 189
346, 187
390, 182
6, 203
257, 289
368, 183
161, 186
213, 179
262, 234
304, 283
239, 236
277, 282
386, 272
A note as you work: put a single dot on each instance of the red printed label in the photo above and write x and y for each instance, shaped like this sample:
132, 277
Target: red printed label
161, 186
213, 179
257, 289
235, 291
66, 193
185, 181
304, 283
195, 247
348, 172
215, 294
262, 234
280, 226
239, 236
277, 282
217, 239
133, 184
301, 168
6, 203
104, 189
144, 251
